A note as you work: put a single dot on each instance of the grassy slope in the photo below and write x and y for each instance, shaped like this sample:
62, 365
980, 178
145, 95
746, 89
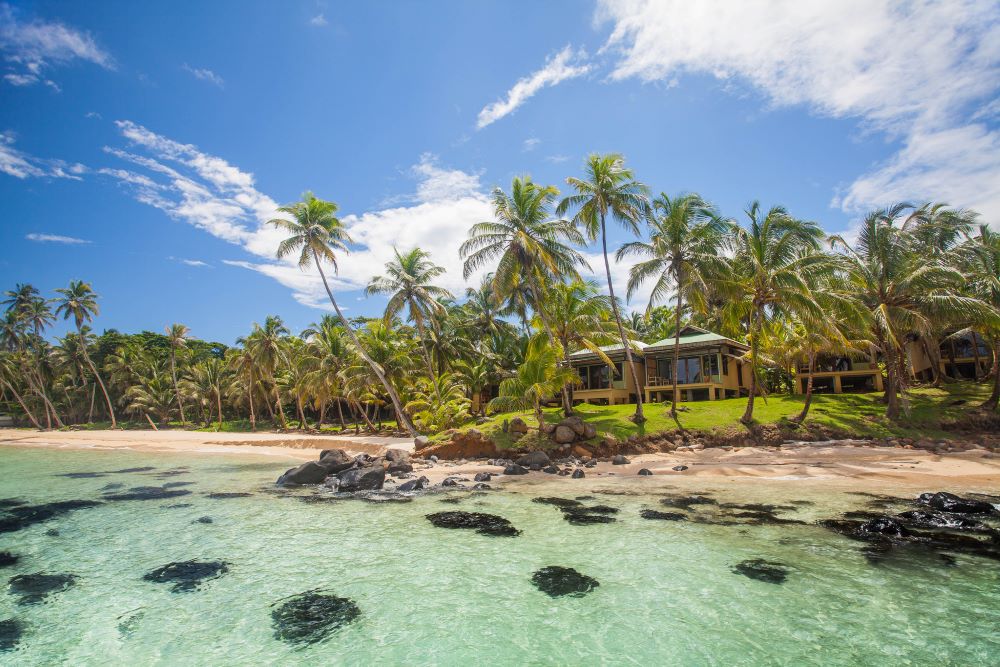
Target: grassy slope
857, 414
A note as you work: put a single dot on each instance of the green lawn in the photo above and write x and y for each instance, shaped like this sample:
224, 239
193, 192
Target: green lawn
859, 415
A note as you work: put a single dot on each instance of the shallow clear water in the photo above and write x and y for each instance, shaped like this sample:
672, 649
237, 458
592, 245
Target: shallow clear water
427, 595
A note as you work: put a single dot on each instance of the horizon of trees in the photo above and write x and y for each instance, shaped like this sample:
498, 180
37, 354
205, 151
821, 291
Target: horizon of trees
914, 275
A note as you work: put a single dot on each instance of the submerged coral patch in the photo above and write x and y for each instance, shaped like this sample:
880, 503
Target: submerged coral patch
309, 617
148, 493
485, 524
556, 581
22, 516
187, 575
762, 570
7, 559
662, 516
11, 631
34, 588
227, 495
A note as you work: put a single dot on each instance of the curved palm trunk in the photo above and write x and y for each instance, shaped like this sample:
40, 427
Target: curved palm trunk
976, 375
396, 403
891, 386
677, 352
419, 320
218, 404
747, 417
994, 398
567, 403
97, 376
253, 417
173, 375
935, 367
639, 417
801, 417
20, 401
340, 415
37, 385
302, 414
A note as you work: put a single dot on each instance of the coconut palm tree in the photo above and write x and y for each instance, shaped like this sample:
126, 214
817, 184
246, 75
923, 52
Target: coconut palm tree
609, 189
530, 247
177, 337
243, 366
8, 381
408, 282
537, 380
980, 262
265, 344
902, 291
316, 234
774, 259
80, 302
153, 396
581, 320
683, 256
206, 381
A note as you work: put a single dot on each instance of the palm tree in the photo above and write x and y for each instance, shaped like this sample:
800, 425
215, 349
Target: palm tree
8, 378
537, 380
482, 312
530, 248
774, 260
265, 344
206, 380
609, 189
243, 366
581, 319
408, 282
177, 335
903, 291
155, 394
316, 233
682, 255
981, 264
80, 302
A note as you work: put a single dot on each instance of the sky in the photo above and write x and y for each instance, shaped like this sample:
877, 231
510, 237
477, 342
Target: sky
144, 146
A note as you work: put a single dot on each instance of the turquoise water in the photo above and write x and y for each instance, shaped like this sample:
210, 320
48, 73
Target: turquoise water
431, 596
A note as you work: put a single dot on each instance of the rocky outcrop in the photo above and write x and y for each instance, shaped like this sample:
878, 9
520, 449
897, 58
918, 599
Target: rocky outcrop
310, 472
948, 502
371, 478
469, 444
534, 458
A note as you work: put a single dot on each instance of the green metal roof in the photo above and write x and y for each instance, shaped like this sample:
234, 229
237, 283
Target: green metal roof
636, 344
701, 338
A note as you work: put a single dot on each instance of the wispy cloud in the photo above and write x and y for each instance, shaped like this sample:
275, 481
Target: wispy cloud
918, 72
204, 74
566, 64
319, 20
34, 45
197, 263
556, 159
530, 144
19, 164
54, 238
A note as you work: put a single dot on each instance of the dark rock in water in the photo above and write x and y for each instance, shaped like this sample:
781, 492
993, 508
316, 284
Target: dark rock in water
551, 470
11, 502
541, 459
645, 472
601, 509
663, 516
482, 477
52, 532
362, 479
679, 468
557, 502
187, 575
309, 472
114, 486
333, 456
203, 519
578, 474
685, 502
309, 617
762, 570
7, 559
556, 581
170, 485
170, 473
486, 524
619, 460
22, 516
758, 507
450, 481
148, 493
884, 526
412, 485
33, 588
125, 470
11, 630
928, 519
579, 516
80, 475
481, 486
229, 494
399, 468
947, 502
515, 469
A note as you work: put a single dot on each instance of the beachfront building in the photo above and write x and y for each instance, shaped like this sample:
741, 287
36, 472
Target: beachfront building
959, 357
838, 374
601, 384
708, 367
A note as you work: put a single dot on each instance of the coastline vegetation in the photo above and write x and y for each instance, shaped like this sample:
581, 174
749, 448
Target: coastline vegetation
908, 275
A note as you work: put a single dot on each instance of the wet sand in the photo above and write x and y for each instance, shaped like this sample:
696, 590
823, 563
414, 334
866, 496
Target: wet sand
837, 466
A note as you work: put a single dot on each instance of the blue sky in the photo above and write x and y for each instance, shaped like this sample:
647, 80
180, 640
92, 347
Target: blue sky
143, 145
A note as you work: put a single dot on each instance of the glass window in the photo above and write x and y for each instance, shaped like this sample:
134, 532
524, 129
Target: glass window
663, 368
584, 377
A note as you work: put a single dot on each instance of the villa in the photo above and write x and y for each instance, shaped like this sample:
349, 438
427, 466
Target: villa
960, 357
839, 374
708, 367
602, 386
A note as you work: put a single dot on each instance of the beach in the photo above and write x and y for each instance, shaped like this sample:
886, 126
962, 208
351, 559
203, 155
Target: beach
835, 465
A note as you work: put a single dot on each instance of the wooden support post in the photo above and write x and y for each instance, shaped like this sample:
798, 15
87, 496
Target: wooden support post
838, 388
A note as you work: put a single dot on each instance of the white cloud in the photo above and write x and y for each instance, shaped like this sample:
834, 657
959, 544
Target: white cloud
204, 74
319, 20
918, 71
530, 144
558, 68
19, 164
193, 262
31, 46
556, 159
93, 114
54, 238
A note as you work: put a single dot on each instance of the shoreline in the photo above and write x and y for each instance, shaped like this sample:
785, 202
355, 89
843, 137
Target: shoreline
839, 465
